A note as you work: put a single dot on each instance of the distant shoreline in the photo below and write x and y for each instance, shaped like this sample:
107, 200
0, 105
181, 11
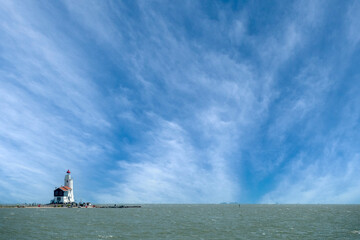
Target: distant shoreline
37, 206
53, 206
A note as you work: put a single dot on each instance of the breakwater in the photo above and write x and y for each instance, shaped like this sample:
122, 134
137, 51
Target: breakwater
120, 206
65, 206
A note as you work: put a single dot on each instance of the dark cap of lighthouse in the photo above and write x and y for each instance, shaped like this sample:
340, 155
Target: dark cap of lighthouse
68, 171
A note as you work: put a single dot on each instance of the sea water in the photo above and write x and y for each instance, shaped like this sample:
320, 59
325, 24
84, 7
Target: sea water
223, 221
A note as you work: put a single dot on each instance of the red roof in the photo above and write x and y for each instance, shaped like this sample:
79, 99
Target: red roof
68, 171
65, 188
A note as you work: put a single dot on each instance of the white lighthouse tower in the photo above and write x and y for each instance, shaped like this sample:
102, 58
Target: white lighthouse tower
69, 183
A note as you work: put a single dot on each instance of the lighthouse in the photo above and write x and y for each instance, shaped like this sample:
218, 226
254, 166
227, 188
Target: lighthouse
65, 194
68, 182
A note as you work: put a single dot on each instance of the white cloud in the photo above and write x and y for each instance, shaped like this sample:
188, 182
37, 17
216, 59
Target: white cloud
328, 171
170, 170
353, 19
190, 105
223, 95
47, 110
319, 183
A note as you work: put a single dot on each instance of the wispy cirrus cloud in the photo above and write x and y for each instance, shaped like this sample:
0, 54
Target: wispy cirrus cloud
179, 102
169, 169
209, 113
47, 111
323, 168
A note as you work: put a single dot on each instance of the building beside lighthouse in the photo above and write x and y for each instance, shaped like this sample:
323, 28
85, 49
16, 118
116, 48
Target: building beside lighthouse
65, 194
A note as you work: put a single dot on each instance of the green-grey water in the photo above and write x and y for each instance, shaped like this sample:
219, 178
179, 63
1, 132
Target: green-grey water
184, 222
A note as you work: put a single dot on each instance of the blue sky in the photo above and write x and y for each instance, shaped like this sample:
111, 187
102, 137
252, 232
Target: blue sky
181, 101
